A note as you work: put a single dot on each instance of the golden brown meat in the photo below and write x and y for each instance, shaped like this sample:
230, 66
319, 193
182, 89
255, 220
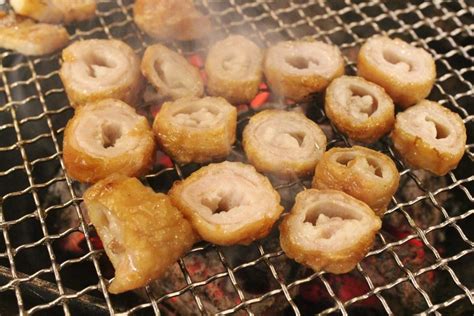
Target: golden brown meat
430, 137
228, 203
170, 73
55, 11
142, 232
171, 19
107, 137
283, 143
234, 69
366, 174
295, 69
328, 230
405, 72
359, 108
196, 130
98, 69
30, 38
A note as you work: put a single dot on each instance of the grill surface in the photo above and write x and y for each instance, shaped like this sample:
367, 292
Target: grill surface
34, 108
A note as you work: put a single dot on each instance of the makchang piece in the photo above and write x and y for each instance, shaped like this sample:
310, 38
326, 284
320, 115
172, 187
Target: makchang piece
405, 72
228, 203
107, 137
295, 69
359, 108
142, 232
283, 143
196, 130
170, 73
363, 173
171, 19
328, 230
55, 11
98, 69
234, 69
430, 137
30, 38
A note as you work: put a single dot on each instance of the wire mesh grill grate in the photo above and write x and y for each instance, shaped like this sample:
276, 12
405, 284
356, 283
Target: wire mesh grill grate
33, 109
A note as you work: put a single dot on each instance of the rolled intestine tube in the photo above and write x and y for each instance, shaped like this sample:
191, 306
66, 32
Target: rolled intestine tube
107, 137
98, 69
359, 108
228, 203
429, 136
407, 73
170, 73
234, 69
328, 230
296, 69
283, 143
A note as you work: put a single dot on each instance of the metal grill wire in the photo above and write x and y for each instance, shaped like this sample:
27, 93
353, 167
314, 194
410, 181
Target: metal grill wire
344, 23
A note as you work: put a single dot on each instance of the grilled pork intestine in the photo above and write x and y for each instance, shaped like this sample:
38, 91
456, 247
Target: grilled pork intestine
107, 137
142, 232
405, 72
363, 173
283, 143
234, 69
55, 11
430, 136
196, 130
170, 73
171, 19
228, 203
98, 69
30, 38
360, 109
295, 69
328, 230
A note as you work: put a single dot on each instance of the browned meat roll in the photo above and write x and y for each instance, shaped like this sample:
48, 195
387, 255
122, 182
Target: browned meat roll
228, 203
283, 143
30, 38
366, 174
196, 130
170, 73
430, 137
98, 69
328, 230
360, 109
171, 19
142, 232
234, 69
295, 69
407, 73
55, 11
107, 137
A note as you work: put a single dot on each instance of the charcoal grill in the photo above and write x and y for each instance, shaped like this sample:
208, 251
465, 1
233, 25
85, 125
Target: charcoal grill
36, 275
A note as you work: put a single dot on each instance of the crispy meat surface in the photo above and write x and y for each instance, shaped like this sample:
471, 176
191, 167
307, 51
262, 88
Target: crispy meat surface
55, 11
30, 38
142, 232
